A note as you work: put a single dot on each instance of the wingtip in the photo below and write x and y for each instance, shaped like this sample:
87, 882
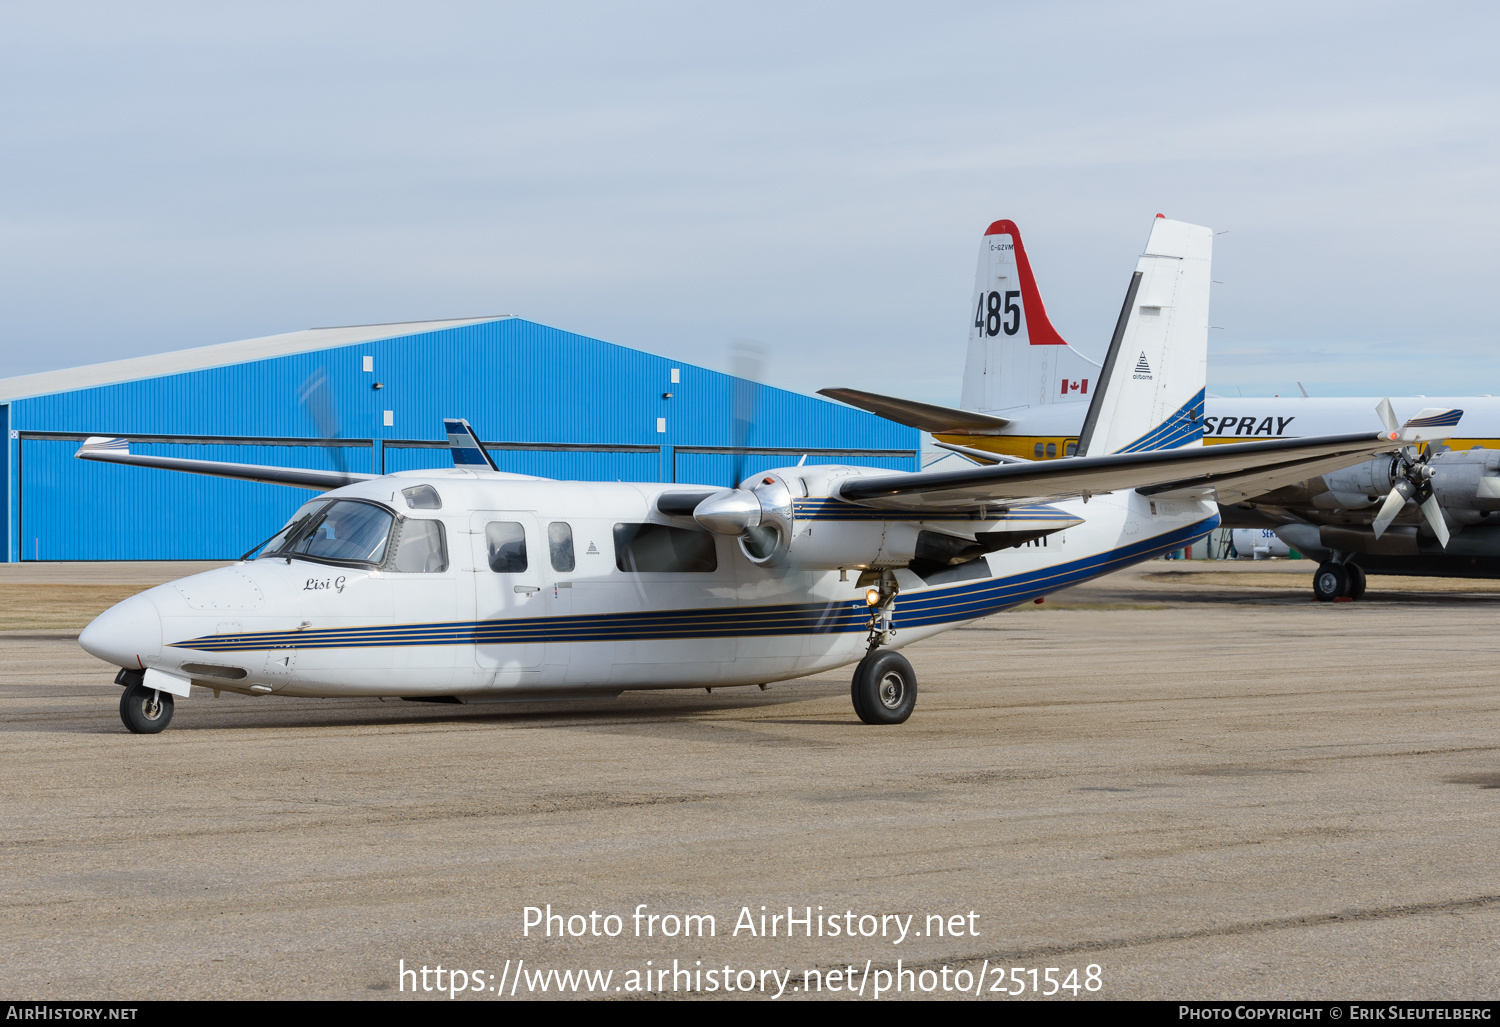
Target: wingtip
103, 444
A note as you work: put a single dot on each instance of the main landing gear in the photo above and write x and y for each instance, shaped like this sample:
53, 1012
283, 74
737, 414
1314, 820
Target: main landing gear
884, 689
1338, 581
144, 711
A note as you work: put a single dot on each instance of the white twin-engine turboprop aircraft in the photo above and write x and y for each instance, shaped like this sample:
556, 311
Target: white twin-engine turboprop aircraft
473, 585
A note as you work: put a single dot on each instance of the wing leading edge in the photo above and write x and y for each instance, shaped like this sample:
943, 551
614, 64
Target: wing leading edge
1231, 467
117, 451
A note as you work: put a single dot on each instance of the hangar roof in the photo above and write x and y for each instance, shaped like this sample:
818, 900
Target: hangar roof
157, 364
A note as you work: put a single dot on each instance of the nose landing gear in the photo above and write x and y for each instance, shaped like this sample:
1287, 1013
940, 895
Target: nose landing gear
145, 711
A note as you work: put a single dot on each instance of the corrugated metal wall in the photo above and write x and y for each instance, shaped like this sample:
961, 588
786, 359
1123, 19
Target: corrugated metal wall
602, 465
7, 448
516, 382
77, 510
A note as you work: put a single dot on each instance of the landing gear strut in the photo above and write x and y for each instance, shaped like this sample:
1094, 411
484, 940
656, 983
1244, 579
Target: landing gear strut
884, 689
1335, 580
145, 711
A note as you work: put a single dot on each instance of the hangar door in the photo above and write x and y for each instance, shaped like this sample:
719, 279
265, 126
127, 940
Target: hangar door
82, 510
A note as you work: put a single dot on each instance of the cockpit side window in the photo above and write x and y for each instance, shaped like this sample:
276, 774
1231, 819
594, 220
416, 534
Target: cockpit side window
421, 547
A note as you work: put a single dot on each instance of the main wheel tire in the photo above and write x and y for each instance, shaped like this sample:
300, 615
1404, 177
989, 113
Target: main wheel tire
1356, 580
884, 688
1330, 582
145, 711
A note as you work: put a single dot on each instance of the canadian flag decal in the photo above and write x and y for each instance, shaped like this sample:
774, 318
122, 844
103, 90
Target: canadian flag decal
1080, 387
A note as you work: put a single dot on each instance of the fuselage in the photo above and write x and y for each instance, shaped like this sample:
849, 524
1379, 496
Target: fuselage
1050, 430
532, 588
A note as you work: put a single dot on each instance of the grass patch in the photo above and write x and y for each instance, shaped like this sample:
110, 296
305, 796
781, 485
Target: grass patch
44, 607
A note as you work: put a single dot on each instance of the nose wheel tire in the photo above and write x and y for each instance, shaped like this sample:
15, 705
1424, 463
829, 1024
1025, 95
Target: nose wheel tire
145, 711
884, 689
1330, 582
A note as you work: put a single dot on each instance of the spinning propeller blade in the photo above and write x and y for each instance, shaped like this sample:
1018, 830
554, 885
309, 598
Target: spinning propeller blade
747, 362
318, 402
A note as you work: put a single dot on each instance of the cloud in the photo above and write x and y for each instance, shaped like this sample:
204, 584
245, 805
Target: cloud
672, 176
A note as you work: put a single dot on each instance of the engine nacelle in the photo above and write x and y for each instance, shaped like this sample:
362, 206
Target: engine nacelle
1355, 488
1467, 480
789, 517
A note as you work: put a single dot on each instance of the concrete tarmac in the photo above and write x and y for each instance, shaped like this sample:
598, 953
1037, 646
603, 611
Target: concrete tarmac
1200, 788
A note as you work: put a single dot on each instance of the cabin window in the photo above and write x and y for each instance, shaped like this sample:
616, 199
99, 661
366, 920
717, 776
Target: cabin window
1051, 450
345, 531
560, 545
662, 547
507, 546
1070, 448
422, 497
1037, 451
422, 548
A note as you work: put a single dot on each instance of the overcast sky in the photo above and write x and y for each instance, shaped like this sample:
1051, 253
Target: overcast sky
812, 176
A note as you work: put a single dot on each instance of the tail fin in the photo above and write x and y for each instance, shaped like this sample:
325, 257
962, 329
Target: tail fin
1016, 358
463, 441
1150, 393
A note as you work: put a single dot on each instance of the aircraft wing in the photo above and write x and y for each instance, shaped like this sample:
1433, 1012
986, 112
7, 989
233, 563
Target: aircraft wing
1260, 466
928, 417
117, 451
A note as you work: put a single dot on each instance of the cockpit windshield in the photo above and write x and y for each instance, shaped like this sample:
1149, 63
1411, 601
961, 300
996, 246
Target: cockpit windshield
297, 523
341, 531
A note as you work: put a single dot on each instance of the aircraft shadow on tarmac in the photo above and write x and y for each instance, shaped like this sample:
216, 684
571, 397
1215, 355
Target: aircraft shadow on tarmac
634, 710
1171, 594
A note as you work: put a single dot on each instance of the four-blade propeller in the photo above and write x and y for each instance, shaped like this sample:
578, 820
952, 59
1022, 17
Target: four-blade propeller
1413, 475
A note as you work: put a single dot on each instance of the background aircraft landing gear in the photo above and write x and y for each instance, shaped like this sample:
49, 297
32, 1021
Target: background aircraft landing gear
145, 711
1356, 580
1338, 581
884, 688
1330, 582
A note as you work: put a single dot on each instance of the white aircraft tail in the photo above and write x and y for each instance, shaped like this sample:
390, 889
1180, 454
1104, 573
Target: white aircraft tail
1016, 358
1150, 394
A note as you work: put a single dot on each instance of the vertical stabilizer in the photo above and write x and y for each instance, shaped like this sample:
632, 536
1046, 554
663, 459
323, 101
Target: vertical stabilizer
1151, 388
1016, 358
463, 442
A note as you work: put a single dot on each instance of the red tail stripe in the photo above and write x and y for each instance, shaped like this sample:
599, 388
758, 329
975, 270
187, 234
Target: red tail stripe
1037, 326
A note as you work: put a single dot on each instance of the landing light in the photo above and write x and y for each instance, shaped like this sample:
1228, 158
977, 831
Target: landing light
872, 597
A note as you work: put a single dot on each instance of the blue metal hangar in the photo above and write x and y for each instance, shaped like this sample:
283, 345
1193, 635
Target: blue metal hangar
548, 403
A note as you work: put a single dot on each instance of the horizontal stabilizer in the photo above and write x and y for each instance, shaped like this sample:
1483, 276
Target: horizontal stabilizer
981, 455
1431, 423
1269, 464
928, 417
117, 451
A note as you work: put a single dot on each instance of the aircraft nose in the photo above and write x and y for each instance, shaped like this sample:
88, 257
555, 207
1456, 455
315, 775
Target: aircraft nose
127, 634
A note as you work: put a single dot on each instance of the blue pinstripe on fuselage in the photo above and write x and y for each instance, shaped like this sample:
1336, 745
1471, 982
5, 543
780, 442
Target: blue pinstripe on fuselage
943, 605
